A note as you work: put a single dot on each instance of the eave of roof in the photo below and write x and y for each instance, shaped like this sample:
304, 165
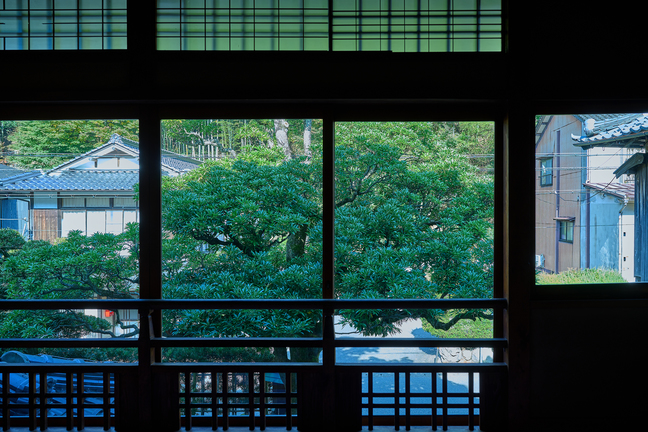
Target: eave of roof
629, 165
620, 130
619, 190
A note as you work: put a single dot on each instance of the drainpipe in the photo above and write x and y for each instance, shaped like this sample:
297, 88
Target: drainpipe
557, 170
587, 232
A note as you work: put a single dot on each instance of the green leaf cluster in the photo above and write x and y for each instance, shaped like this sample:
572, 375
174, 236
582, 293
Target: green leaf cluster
46, 144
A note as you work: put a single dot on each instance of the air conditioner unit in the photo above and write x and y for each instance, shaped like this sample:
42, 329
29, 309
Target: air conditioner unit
539, 261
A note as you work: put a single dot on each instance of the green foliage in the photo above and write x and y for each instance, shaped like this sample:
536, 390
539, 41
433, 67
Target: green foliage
79, 267
235, 138
46, 144
414, 220
10, 241
580, 276
473, 329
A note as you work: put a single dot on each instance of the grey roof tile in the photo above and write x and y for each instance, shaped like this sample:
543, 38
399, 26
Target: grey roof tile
621, 190
75, 180
613, 128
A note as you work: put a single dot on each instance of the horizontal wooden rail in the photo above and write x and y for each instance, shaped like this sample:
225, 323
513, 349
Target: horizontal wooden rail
498, 303
414, 342
68, 367
70, 343
313, 342
279, 367
236, 342
357, 367
424, 367
252, 342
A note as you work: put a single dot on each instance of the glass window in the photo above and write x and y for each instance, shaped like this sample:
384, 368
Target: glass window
98, 202
414, 220
546, 172
242, 219
585, 219
73, 221
75, 246
567, 230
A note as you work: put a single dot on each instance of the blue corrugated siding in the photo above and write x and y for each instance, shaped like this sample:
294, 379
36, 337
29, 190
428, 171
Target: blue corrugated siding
14, 214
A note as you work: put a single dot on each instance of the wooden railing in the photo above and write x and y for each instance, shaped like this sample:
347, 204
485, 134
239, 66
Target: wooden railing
310, 393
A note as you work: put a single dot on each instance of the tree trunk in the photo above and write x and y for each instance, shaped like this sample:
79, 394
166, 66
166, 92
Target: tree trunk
308, 123
280, 354
296, 243
281, 132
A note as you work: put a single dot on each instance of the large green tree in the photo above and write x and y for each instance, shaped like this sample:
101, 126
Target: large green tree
79, 267
413, 220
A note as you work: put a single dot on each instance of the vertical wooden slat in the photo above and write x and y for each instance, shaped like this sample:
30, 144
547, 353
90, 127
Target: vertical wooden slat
43, 400
471, 401
444, 408
407, 402
328, 272
106, 400
69, 398
397, 400
225, 391
31, 398
80, 402
214, 398
262, 402
5, 401
288, 401
187, 400
434, 376
116, 379
370, 400
250, 377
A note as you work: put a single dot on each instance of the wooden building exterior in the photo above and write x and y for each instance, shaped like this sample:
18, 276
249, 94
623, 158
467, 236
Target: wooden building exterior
637, 165
559, 179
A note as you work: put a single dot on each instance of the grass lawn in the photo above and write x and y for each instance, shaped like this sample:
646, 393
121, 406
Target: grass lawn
479, 328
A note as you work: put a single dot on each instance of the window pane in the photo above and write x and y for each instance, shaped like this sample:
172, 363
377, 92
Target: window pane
586, 221
413, 219
242, 206
403, 26
62, 24
66, 241
73, 221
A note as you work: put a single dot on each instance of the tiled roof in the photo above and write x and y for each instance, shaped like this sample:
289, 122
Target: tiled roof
173, 160
621, 190
626, 129
74, 180
66, 178
7, 171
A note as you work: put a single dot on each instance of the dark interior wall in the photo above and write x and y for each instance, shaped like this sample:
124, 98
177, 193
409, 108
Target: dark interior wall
587, 367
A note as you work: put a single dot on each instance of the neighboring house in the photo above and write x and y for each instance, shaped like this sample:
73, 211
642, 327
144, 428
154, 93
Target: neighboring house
91, 193
630, 135
584, 213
